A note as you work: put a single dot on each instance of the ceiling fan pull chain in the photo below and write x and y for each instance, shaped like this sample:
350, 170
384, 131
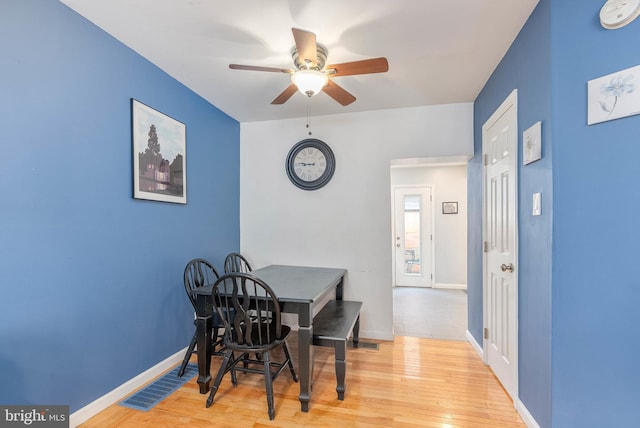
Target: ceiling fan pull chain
308, 107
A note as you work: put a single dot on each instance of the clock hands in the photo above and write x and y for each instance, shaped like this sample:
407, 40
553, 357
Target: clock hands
305, 164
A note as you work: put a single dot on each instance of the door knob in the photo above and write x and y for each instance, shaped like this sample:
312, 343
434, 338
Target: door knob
507, 268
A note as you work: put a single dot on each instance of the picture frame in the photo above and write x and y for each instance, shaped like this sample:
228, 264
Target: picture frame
159, 155
613, 96
449, 208
532, 143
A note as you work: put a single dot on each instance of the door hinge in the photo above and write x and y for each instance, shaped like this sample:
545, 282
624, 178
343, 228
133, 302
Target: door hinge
485, 160
486, 333
431, 237
485, 246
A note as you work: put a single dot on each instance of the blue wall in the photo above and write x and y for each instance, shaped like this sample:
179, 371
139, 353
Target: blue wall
91, 279
596, 238
581, 253
527, 68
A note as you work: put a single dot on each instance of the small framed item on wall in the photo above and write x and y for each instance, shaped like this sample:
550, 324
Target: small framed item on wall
159, 156
531, 144
449, 208
613, 96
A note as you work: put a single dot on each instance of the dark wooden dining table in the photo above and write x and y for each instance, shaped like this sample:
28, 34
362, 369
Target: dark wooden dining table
301, 290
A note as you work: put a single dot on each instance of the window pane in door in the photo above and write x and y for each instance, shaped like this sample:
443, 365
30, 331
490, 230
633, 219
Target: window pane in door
412, 244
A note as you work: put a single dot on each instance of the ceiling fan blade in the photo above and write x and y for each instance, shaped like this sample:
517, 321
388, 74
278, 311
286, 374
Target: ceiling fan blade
366, 66
285, 95
306, 46
338, 93
256, 68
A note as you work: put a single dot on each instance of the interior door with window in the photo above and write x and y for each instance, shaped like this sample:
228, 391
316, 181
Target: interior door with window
413, 240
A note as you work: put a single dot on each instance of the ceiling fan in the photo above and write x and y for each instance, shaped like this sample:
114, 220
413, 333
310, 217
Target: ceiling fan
310, 74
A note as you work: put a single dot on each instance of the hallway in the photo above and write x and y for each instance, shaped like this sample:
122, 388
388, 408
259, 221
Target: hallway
433, 313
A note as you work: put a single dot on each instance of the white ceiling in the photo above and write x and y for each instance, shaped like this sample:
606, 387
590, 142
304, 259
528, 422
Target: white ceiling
439, 51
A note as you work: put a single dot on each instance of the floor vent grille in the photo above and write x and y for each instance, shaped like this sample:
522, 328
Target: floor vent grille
161, 388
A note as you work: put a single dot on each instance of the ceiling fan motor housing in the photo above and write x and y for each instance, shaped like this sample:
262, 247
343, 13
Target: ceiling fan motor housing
321, 58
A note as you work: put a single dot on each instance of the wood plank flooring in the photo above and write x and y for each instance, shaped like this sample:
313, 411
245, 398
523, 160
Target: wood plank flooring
410, 382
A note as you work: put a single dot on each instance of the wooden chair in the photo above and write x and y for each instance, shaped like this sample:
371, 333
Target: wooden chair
250, 312
198, 273
236, 262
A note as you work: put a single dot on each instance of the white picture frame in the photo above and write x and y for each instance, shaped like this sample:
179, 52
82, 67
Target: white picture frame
614, 96
532, 143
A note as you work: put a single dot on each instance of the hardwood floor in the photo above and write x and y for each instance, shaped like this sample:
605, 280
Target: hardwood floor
411, 382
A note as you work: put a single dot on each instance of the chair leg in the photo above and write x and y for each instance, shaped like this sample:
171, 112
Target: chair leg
221, 371
187, 356
268, 385
234, 377
245, 360
214, 339
341, 367
287, 355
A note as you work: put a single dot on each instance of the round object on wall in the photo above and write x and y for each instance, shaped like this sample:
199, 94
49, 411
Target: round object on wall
618, 13
310, 164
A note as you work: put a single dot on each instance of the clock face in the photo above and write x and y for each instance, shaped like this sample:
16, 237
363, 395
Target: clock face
310, 164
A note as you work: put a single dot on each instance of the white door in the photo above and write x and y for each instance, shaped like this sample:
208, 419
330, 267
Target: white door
499, 148
413, 238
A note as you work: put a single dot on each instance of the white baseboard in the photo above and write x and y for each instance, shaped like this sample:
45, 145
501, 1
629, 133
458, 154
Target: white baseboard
95, 407
475, 345
376, 335
527, 418
451, 286
524, 413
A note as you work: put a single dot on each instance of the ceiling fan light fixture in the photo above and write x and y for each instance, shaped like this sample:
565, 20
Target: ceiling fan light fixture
309, 82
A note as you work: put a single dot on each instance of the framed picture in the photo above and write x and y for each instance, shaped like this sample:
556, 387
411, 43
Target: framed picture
159, 155
531, 144
613, 96
449, 208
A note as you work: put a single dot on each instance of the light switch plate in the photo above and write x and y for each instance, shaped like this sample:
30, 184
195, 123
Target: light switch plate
536, 204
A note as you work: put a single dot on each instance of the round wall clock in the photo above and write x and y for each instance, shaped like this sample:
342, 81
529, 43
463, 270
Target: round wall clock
618, 13
310, 164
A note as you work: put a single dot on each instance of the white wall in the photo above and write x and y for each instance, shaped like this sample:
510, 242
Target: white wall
347, 223
449, 184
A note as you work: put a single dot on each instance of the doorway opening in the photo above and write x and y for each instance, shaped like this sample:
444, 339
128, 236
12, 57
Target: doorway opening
429, 246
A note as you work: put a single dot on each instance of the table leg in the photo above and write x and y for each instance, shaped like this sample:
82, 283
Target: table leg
203, 330
339, 289
305, 357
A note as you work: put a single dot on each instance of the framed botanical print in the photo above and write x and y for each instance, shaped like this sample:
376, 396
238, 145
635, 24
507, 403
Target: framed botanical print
613, 96
531, 143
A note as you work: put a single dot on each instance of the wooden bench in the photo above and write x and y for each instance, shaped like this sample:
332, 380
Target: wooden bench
332, 327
